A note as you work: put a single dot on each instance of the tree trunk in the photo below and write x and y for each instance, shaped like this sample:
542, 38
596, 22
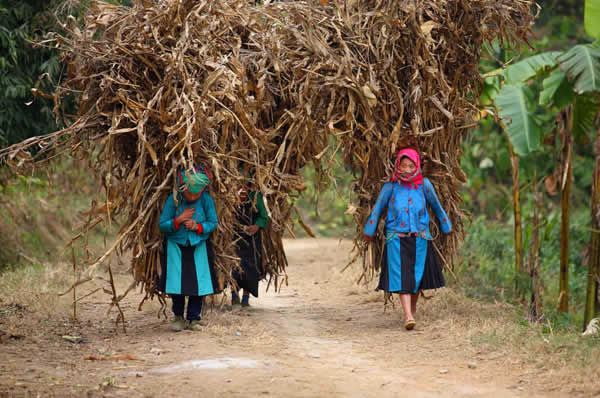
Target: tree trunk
591, 302
565, 205
514, 162
533, 263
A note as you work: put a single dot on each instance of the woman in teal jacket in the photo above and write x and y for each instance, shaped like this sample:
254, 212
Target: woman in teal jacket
187, 259
410, 262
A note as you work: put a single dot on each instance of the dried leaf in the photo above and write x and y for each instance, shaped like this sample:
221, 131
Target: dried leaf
551, 185
165, 85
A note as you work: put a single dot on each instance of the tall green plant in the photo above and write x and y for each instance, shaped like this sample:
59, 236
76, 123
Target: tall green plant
568, 79
567, 159
592, 27
593, 279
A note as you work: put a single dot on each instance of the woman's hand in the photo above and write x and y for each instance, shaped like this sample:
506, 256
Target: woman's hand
252, 229
368, 238
186, 215
191, 225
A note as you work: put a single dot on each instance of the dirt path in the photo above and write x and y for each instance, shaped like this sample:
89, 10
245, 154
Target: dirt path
321, 336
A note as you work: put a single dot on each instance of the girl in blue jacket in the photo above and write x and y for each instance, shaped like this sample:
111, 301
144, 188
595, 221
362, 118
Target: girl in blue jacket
410, 263
187, 258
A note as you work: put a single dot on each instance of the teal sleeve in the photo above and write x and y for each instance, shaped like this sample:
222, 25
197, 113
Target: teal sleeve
437, 208
211, 222
166, 223
382, 201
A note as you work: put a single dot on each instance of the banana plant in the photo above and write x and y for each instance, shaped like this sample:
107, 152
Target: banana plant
592, 28
574, 84
512, 99
591, 302
570, 81
569, 78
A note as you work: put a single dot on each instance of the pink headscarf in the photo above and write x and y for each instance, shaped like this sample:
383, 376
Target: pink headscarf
414, 180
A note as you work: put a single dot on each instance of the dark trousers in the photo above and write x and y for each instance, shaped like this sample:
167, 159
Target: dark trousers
194, 308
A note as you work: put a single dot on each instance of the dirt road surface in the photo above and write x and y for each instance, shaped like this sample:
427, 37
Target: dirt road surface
321, 336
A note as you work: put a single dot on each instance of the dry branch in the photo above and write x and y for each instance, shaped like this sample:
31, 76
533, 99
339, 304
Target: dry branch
227, 85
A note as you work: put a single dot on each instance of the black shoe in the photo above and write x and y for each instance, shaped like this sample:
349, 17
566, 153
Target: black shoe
235, 299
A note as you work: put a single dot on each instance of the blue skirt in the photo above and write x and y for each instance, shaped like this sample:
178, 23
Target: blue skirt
410, 264
183, 274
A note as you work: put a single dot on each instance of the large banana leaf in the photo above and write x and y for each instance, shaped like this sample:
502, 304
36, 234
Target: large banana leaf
513, 106
584, 112
582, 66
491, 86
592, 18
557, 90
530, 67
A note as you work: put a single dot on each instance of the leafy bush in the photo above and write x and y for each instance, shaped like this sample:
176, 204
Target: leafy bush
324, 202
21, 23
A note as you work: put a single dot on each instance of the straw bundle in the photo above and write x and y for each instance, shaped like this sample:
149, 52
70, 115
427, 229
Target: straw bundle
269, 89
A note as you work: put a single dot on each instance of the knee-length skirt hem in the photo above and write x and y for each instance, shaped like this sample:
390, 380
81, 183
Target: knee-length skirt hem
249, 249
189, 279
410, 264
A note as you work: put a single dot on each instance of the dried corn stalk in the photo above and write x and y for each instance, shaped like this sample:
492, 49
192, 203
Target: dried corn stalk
165, 85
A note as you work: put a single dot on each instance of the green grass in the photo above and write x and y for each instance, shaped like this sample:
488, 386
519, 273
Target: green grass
487, 269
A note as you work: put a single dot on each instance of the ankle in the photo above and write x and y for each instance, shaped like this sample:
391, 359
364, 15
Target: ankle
235, 299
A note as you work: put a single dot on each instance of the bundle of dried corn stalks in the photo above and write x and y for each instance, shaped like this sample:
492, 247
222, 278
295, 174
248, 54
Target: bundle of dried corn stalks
166, 85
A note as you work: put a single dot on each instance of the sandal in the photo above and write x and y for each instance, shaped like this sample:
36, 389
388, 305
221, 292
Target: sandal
410, 324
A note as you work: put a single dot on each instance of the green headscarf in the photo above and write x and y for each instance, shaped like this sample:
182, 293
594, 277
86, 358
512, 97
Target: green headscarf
195, 181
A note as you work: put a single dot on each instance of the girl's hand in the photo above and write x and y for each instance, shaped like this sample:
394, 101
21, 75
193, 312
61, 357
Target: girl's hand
368, 238
186, 215
191, 225
252, 229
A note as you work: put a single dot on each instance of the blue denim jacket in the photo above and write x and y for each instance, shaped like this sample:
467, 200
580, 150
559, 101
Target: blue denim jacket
204, 214
407, 210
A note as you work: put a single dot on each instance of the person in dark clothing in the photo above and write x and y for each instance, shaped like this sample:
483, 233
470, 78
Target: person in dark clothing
252, 217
